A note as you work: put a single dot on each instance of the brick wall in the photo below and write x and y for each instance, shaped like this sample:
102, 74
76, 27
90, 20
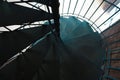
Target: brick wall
112, 36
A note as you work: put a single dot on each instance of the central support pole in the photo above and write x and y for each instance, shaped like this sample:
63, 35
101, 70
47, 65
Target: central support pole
56, 16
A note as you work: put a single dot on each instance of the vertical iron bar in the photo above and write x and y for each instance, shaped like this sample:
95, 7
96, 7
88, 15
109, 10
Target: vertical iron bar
50, 21
109, 18
109, 61
82, 7
75, 7
103, 12
63, 6
89, 8
96, 10
69, 7
55, 10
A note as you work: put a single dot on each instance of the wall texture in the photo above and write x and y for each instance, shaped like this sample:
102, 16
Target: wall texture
112, 36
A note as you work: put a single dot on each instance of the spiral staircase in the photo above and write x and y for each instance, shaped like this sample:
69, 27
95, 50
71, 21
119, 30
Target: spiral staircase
19, 17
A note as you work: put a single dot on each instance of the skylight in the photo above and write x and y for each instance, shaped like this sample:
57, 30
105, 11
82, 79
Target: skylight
100, 14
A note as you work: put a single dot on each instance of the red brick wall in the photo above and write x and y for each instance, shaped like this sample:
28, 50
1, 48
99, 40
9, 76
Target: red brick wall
112, 36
